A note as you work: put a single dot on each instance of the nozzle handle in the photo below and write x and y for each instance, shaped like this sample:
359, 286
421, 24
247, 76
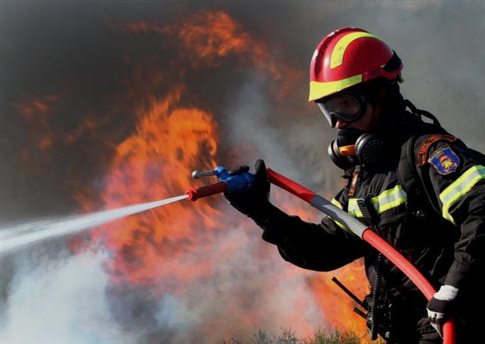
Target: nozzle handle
204, 191
198, 174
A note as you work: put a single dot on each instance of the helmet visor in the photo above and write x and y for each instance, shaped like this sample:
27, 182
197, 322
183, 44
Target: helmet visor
348, 107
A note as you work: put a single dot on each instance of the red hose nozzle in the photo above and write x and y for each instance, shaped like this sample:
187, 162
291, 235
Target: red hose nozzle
204, 191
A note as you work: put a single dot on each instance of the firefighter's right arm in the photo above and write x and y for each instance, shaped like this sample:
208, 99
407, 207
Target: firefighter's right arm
321, 247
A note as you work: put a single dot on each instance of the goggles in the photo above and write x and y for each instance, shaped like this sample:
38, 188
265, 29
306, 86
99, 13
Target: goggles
348, 107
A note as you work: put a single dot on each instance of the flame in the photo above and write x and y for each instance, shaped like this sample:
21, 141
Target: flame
214, 36
209, 38
43, 117
338, 306
39, 112
155, 163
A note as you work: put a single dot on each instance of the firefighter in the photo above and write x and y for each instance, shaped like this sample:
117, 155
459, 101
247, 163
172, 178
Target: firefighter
419, 187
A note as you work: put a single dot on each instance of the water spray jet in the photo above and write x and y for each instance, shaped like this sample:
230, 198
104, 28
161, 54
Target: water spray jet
18, 236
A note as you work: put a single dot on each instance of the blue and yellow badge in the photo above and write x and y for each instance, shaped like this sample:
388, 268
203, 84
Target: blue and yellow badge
444, 160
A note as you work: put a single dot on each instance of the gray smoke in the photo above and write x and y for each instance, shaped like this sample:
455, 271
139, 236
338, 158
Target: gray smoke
68, 55
60, 302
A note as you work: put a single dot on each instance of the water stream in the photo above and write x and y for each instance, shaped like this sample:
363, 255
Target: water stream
28, 233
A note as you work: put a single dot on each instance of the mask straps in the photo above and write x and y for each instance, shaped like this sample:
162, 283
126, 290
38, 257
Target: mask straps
421, 113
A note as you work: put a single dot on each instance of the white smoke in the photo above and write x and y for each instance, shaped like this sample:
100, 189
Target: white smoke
290, 143
70, 299
60, 301
251, 287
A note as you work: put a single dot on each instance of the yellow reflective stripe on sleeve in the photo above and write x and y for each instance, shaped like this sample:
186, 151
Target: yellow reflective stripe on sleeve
338, 205
354, 209
322, 89
339, 50
459, 188
341, 226
389, 199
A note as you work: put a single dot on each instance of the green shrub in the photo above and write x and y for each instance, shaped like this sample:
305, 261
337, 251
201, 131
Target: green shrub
287, 336
336, 337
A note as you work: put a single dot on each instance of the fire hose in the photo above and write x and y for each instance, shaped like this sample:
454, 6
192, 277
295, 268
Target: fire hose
243, 181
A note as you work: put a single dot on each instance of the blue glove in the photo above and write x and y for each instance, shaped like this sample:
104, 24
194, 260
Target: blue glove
255, 201
441, 306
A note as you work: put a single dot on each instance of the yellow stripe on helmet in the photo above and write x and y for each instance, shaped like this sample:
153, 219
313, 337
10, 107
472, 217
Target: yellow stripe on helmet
322, 89
339, 50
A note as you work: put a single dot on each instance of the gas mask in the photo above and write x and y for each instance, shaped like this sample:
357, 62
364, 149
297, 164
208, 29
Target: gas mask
353, 147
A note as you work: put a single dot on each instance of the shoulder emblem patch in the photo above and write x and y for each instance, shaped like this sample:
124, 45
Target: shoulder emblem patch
422, 152
444, 160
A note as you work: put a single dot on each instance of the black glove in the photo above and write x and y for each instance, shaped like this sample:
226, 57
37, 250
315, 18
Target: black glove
440, 306
254, 202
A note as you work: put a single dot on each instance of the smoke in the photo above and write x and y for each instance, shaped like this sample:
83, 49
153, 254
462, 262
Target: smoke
72, 77
217, 308
250, 124
294, 146
69, 299
61, 301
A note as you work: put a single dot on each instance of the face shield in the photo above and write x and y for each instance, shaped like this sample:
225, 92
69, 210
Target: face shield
345, 106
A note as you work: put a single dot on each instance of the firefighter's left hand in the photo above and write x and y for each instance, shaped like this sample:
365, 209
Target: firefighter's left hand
440, 306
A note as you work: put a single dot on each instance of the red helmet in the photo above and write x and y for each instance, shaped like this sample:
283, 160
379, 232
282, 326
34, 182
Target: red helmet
348, 57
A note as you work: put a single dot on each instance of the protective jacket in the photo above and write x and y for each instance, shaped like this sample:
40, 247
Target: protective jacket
427, 199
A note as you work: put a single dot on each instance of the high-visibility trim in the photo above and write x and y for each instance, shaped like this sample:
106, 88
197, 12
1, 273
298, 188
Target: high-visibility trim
338, 205
322, 89
339, 50
460, 188
385, 201
354, 209
389, 199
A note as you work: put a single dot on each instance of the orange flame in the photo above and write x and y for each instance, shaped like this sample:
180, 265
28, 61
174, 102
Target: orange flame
337, 306
38, 112
155, 163
211, 37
